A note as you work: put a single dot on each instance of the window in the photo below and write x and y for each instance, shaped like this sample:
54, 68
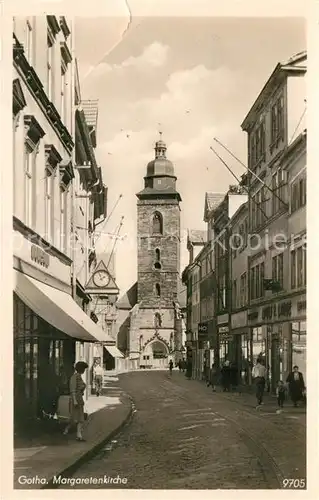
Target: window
243, 290
157, 254
257, 281
158, 290
63, 215
300, 270
234, 294
64, 97
277, 122
278, 191
298, 192
29, 185
257, 148
29, 43
278, 269
157, 320
50, 64
157, 223
49, 205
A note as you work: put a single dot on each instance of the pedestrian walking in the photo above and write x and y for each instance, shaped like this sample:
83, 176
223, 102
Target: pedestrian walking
76, 401
213, 377
180, 365
225, 376
184, 365
171, 364
296, 385
259, 374
98, 377
281, 395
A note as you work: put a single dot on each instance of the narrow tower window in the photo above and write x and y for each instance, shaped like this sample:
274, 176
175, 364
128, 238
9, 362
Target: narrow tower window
158, 290
157, 264
157, 223
158, 320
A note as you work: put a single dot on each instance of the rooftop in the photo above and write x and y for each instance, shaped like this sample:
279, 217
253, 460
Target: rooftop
197, 236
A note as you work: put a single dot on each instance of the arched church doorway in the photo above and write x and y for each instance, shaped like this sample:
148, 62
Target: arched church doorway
158, 354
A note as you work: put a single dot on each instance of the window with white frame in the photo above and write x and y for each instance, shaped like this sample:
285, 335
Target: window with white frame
29, 184
298, 267
64, 100
63, 218
28, 49
49, 204
50, 64
298, 193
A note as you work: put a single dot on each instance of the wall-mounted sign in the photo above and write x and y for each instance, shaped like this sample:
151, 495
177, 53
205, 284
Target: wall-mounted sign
225, 337
40, 256
223, 329
202, 328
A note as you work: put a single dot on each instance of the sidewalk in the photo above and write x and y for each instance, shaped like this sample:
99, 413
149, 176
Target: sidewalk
37, 460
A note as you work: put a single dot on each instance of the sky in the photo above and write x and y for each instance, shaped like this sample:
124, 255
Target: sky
192, 78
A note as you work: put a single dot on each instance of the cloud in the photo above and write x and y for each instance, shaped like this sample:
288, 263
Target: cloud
153, 56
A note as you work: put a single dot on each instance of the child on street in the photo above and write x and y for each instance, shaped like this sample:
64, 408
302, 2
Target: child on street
281, 394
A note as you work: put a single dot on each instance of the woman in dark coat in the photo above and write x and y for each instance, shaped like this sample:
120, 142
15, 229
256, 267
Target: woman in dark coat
77, 388
296, 384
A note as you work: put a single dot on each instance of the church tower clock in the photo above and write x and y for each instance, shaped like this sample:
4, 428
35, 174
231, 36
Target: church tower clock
158, 232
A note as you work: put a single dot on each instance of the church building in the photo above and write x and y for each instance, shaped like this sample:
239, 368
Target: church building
149, 313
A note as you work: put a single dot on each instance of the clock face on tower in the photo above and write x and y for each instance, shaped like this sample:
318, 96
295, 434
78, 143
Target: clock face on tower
101, 279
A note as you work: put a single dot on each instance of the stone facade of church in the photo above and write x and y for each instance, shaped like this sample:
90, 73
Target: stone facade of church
153, 336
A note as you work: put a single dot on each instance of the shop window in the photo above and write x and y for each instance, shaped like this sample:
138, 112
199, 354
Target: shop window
157, 223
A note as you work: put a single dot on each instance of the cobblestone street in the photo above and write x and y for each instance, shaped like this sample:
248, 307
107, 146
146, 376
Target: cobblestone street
184, 436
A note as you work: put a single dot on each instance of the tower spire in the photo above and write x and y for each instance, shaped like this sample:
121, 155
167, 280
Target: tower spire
160, 146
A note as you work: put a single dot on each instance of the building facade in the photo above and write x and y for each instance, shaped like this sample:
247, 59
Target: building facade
154, 323
257, 233
273, 123
47, 320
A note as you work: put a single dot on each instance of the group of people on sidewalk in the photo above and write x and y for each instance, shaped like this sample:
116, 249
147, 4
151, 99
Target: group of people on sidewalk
228, 378
294, 383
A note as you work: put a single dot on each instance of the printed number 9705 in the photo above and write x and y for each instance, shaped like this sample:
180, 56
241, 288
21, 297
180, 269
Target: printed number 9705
294, 483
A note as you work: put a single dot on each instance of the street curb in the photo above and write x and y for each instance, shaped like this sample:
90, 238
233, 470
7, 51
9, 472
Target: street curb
69, 470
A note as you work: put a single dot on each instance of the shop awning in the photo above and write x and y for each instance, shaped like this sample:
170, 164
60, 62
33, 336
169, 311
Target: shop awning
114, 351
58, 309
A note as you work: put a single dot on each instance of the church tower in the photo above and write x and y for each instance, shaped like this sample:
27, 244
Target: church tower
152, 332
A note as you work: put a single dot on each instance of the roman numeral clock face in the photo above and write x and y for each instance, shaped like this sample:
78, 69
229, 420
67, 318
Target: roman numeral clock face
101, 279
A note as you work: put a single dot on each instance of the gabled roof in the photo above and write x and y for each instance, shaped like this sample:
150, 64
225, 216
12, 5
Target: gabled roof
291, 67
212, 200
129, 299
197, 236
